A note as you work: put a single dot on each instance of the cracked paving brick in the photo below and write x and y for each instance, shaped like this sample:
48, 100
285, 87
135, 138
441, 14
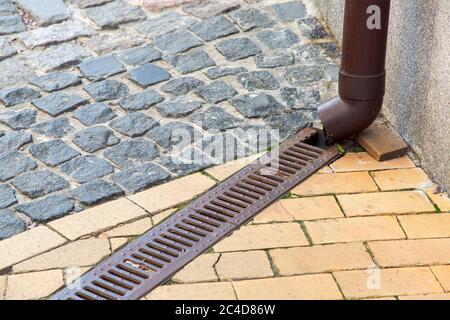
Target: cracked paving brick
141, 101
210, 8
251, 18
216, 91
181, 86
107, 90
174, 135
45, 12
134, 124
148, 75
60, 56
220, 72
192, 61
290, 11
140, 56
96, 191
6, 50
53, 152
303, 75
237, 49
130, 152
215, 118
17, 95
14, 141
10, 224
7, 196
279, 39
101, 68
280, 59
57, 103
142, 177
312, 28
86, 168
106, 16
50, 208
178, 108
258, 80
39, 183
177, 42
11, 24
257, 105
20, 119
56, 81
214, 28
94, 114
95, 138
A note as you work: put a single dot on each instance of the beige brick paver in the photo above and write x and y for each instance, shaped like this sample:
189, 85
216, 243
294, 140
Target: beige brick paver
439, 198
319, 259
435, 296
196, 291
28, 244
264, 237
226, 170
400, 179
336, 183
2, 287
275, 213
314, 208
35, 285
442, 273
135, 228
117, 243
387, 282
172, 193
97, 219
75, 254
362, 161
199, 270
157, 218
307, 287
244, 265
426, 225
73, 273
354, 229
411, 252
368, 204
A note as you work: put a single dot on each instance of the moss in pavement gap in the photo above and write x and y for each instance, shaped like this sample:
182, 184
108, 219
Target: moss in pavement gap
436, 208
357, 149
340, 148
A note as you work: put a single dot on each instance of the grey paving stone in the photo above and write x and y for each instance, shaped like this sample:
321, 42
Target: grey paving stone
17, 95
48, 209
222, 148
14, 141
219, 72
331, 50
332, 70
95, 138
257, 105
215, 118
15, 72
165, 23
303, 75
192, 61
278, 39
216, 91
177, 42
237, 49
53, 152
311, 28
274, 60
178, 108
57, 128
131, 152
60, 56
186, 162
20, 119
105, 43
258, 80
250, 18
174, 135
310, 54
96, 191
290, 11
6, 50
11, 24
7, 196
87, 168
2, 133
89, 3
142, 177
214, 28
101, 68
107, 90
141, 101
57, 103
134, 124
114, 14
7, 8
54, 34
181, 86
148, 74
45, 12
140, 56
13, 164
289, 123
94, 114
211, 8
39, 183
300, 98
56, 81
10, 224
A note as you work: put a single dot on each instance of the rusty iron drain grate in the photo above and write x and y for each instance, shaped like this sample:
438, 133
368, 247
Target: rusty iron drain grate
156, 256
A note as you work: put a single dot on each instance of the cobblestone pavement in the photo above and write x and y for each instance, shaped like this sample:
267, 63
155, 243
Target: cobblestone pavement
93, 93
385, 235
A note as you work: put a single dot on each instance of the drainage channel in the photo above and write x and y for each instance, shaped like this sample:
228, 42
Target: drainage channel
156, 256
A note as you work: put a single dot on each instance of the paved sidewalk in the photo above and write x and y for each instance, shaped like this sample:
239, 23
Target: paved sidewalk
373, 230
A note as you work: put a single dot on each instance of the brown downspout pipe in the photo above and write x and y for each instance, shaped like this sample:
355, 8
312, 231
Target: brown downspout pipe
362, 75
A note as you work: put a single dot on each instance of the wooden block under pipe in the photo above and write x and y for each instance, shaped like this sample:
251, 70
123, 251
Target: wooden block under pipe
382, 143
